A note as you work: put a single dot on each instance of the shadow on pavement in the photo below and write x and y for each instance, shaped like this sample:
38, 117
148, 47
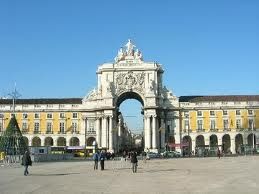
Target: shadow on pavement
58, 174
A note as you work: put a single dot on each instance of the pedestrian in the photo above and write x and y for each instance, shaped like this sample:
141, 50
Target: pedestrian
95, 158
144, 156
102, 158
26, 162
218, 153
134, 162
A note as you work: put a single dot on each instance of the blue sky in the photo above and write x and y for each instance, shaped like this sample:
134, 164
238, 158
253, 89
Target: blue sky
52, 48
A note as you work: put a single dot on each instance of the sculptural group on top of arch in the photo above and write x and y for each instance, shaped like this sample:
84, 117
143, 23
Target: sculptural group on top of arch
129, 52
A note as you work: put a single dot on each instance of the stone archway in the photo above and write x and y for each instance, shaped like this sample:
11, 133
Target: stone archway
130, 77
187, 149
26, 140
48, 141
74, 141
200, 142
90, 141
61, 141
226, 143
250, 140
36, 141
213, 141
238, 143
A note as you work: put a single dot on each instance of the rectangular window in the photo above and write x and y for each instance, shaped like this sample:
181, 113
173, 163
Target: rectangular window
62, 115
238, 123
91, 126
24, 126
186, 114
225, 112
74, 126
250, 123
74, 115
36, 127
199, 113
186, 124
212, 113
36, 115
250, 112
49, 115
62, 127
212, 124
49, 126
25, 116
238, 112
200, 127
225, 123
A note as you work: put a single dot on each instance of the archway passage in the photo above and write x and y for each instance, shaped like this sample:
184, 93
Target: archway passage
129, 95
48, 141
61, 141
251, 139
226, 143
130, 122
213, 141
36, 141
74, 141
187, 149
26, 140
238, 143
90, 141
200, 141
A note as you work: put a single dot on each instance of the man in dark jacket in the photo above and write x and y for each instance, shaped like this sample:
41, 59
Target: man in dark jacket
26, 161
102, 158
134, 161
96, 157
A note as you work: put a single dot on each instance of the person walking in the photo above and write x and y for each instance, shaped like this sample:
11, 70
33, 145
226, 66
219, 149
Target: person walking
95, 158
134, 161
102, 158
26, 162
218, 153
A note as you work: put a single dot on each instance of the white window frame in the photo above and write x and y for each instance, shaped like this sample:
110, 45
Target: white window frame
73, 115
37, 126
48, 114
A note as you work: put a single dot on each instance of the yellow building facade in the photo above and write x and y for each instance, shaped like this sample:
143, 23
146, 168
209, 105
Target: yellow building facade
225, 121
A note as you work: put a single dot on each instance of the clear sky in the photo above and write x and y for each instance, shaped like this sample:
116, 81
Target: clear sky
52, 48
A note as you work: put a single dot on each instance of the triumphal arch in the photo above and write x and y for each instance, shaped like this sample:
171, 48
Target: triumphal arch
130, 77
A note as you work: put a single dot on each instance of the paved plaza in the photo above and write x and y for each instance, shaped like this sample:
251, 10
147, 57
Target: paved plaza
184, 175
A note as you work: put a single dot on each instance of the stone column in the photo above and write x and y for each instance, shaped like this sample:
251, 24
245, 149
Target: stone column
207, 140
162, 140
104, 132
98, 132
67, 141
193, 145
147, 133
232, 145
154, 132
110, 134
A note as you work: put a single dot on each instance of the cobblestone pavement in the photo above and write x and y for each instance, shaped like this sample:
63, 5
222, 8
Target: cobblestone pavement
184, 175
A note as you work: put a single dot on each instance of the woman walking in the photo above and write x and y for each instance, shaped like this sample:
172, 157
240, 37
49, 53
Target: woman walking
26, 162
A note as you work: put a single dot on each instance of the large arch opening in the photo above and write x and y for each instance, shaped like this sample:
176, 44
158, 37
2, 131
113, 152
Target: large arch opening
226, 143
187, 140
36, 141
26, 140
251, 139
130, 122
238, 143
61, 141
74, 141
48, 141
90, 141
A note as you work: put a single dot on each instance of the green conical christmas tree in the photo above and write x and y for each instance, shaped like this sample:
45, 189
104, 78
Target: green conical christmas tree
12, 142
